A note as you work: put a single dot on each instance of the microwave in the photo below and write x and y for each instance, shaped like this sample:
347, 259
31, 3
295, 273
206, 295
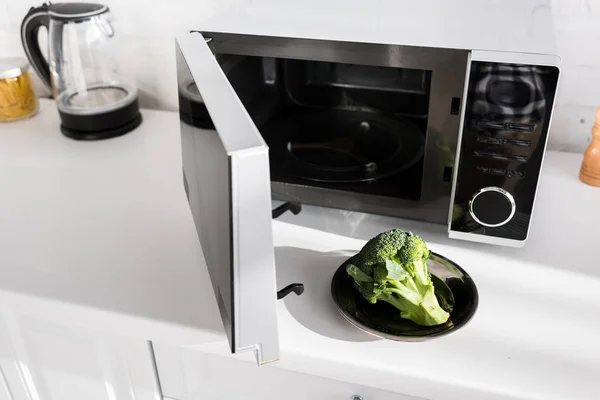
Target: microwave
453, 136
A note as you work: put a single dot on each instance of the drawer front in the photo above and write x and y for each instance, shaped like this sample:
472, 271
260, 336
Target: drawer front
41, 360
192, 375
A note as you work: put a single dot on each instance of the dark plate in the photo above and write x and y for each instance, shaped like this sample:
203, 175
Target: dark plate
454, 288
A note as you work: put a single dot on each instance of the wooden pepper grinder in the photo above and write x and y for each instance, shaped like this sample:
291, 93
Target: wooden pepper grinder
590, 168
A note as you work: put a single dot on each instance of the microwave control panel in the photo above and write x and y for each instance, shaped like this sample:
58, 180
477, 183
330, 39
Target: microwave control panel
505, 129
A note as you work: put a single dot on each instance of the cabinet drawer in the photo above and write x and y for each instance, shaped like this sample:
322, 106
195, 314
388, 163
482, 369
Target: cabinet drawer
44, 360
193, 375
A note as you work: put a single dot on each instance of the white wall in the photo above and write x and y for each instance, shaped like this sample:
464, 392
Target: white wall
146, 31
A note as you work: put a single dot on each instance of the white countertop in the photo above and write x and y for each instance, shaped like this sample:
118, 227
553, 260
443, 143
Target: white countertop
99, 234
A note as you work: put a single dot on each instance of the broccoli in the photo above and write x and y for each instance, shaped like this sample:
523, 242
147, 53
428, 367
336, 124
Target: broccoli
392, 267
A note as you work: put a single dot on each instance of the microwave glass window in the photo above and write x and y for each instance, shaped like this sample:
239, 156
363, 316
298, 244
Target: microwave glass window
346, 127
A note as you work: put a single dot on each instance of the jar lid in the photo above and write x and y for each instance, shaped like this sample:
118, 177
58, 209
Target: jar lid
13, 67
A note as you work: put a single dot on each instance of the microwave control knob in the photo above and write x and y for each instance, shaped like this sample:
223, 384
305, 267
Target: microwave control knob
492, 206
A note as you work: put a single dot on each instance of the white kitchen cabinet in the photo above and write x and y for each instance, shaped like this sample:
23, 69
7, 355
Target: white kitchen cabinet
40, 360
188, 374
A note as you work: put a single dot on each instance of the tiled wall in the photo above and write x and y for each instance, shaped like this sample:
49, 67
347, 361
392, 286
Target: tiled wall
147, 30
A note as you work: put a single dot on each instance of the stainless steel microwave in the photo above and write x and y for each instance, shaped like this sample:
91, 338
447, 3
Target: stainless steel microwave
452, 136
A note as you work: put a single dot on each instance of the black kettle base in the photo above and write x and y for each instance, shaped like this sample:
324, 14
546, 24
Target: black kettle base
103, 125
102, 134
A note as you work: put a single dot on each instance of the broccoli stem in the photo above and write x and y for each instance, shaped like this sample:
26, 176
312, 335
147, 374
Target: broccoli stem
426, 313
416, 302
421, 275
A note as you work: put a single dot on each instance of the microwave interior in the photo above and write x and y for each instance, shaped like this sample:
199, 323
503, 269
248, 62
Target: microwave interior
347, 127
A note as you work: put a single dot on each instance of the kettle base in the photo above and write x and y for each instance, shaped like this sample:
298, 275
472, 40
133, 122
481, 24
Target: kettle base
103, 134
103, 125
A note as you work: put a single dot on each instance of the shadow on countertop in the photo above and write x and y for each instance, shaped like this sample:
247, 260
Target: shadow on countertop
315, 308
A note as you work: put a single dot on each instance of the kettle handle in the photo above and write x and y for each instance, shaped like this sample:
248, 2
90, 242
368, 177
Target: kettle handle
35, 18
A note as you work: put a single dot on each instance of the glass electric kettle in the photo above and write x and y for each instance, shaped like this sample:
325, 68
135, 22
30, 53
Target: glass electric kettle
93, 101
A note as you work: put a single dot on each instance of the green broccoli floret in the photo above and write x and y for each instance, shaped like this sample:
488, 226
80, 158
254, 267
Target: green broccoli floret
382, 247
392, 267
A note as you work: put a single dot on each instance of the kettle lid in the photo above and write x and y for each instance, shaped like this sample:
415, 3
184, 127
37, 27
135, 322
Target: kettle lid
76, 11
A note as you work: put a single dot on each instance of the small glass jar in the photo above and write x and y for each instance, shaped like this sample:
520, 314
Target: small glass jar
17, 98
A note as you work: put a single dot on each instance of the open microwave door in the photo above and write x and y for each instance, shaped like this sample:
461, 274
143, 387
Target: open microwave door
227, 181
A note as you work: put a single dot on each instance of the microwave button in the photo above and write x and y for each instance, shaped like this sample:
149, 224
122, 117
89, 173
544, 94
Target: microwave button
521, 127
492, 206
489, 140
498, 171
493, 156
499, 157
495, 125
513, 173
517, 142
